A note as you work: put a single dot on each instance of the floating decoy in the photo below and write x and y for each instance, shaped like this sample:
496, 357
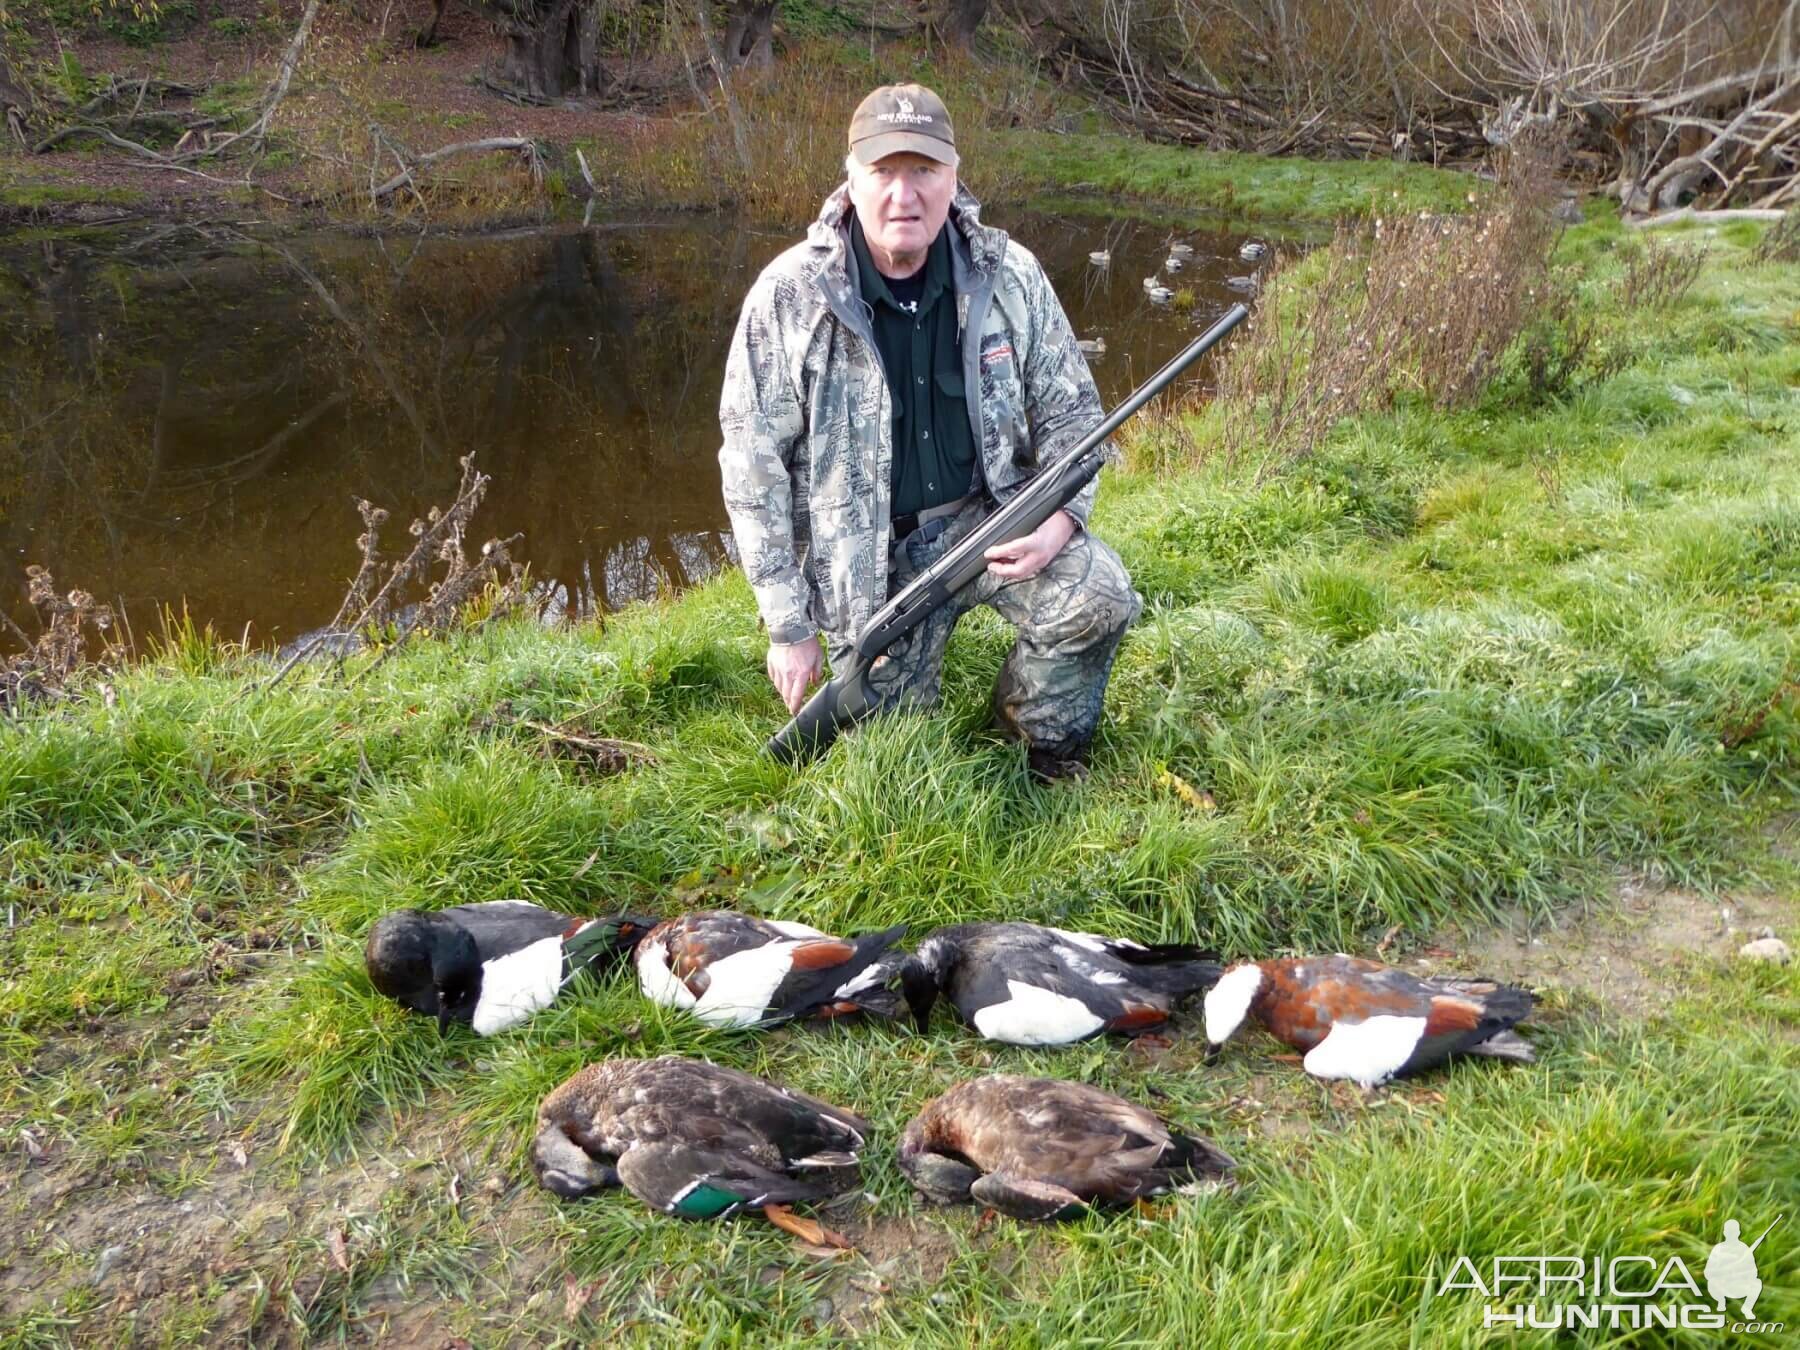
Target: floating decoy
1245, 284
1160, 295
1092, 346
1043, 1148
1182, 251
1253, 251
1030, 985
693, 1139
1151, 283
1101, 257
1173, 264
733, 970
1362, 1020
490, 965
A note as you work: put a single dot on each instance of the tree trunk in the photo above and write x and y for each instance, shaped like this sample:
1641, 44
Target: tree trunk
961, 19
550, 47
750, 33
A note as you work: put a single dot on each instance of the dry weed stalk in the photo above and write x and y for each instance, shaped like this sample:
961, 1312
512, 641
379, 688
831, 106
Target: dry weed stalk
1659, 275
1423, 304
1780, 242
438, 538
44, 667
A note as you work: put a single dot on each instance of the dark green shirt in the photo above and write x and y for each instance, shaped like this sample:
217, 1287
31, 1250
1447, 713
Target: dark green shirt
915, 332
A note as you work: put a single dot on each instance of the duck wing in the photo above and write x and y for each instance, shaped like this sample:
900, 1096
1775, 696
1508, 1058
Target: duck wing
1022, 1197
1024, 984
704, 1183
500, 927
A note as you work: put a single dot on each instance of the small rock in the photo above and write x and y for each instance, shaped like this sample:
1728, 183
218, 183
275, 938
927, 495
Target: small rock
1767, 949
495, 1186
822, 1310
1567, 212
109, 1257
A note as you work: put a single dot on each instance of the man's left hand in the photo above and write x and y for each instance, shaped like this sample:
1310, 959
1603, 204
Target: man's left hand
1018, 559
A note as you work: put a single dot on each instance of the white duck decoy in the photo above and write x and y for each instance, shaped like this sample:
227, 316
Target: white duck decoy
1101, 257
1092, 346
1253, 251
1151, 283
1182, 251
1160, 295
1173, 264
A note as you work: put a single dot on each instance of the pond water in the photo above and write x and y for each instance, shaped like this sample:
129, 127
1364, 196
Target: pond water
187, 414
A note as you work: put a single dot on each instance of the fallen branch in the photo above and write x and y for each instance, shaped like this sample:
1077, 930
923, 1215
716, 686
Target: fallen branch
1689, 213
405, 176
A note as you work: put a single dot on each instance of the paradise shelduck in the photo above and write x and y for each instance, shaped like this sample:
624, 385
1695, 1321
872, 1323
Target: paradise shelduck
1362, 1020
1041, 1148
490, 965
1030, 985
733, 970
693, 1139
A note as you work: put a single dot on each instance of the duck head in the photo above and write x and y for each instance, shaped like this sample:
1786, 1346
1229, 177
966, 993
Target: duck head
406, 951
921, 978
1228, 1003
456, 977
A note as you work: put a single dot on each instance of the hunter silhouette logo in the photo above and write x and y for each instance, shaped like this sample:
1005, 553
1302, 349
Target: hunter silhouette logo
906, 115
1620, 1293
1731, 1269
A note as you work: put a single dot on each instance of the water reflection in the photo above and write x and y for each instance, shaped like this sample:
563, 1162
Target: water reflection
188, 414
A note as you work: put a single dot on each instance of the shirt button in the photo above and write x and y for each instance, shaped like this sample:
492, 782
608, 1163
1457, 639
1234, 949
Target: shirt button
921, 379
925, 434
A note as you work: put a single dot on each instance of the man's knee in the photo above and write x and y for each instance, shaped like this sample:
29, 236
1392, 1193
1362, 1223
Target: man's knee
1088, 599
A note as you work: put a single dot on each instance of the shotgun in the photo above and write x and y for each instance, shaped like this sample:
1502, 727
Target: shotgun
845, 698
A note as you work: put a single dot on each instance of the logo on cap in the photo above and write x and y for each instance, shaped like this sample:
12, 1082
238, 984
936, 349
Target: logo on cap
906, 114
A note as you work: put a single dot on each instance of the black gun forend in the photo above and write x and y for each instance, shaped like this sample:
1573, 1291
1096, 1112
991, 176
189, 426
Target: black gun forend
845, 698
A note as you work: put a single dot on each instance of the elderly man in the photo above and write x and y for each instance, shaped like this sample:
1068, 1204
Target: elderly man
892, 378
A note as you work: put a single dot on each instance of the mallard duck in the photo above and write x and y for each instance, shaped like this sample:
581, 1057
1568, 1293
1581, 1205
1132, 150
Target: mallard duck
1043, 1148
693, 1139
1362, 1020
1252, 251
490, 965
1030, 985
733, 970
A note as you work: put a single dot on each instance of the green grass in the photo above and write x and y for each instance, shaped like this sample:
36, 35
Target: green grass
1458, 665
1234, 185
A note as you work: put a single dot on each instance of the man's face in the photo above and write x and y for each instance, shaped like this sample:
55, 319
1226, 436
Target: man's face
902, 202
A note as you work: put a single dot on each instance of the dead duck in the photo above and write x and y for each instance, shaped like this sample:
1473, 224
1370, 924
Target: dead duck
492, 965
1044, 1148
693, 1139
733, 970
1365, 1021
1026, 984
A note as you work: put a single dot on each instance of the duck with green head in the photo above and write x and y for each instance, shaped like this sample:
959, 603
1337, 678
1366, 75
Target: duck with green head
693, 1139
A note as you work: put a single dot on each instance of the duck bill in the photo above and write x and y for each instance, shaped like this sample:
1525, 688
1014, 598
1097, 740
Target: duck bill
444, 1020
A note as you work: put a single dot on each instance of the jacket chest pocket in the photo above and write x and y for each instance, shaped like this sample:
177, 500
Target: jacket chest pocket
1002, 402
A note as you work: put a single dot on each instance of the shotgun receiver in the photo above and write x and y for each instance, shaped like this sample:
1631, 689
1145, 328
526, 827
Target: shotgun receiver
845, 698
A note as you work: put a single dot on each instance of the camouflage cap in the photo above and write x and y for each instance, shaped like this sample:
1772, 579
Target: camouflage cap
901, 119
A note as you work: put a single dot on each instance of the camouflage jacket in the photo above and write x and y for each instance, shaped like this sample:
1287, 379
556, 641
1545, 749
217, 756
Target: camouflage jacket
807, 416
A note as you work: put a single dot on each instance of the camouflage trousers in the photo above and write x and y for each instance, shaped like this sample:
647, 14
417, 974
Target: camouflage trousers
1069, 620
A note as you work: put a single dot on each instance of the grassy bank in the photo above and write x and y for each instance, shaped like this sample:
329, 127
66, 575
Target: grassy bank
1458, 667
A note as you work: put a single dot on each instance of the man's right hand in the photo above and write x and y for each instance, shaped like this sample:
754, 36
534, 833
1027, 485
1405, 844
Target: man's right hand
793, 668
